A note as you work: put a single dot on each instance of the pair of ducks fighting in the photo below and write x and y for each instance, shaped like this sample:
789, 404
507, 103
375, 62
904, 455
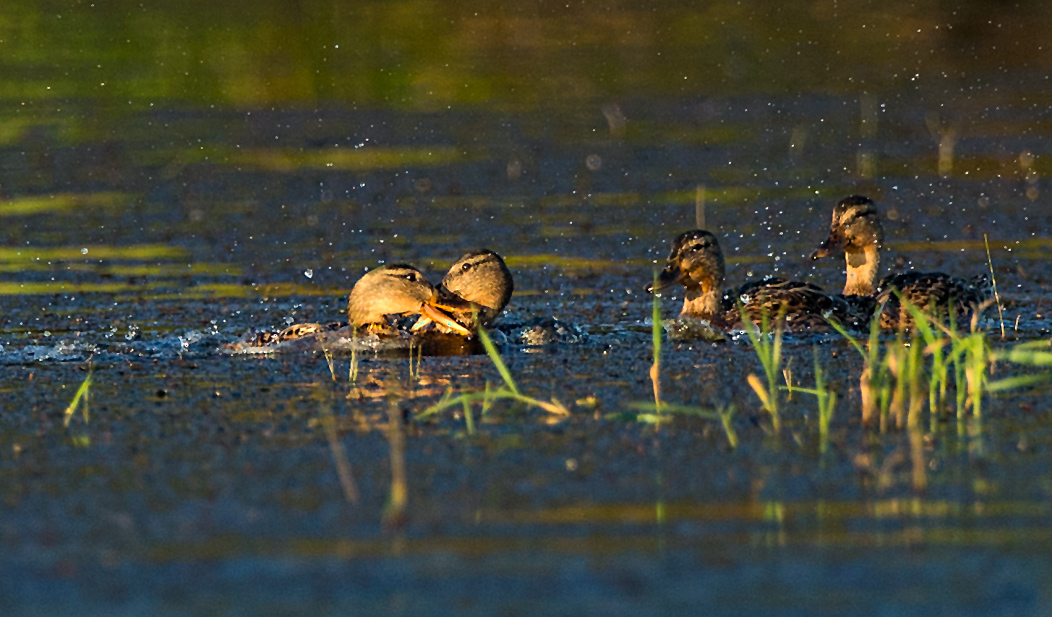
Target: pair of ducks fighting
475, 290
696, 262
478, 287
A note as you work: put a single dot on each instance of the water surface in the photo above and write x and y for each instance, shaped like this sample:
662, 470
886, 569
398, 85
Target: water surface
173, 176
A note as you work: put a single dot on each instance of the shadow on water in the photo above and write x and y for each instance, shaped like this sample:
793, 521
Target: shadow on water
174, 177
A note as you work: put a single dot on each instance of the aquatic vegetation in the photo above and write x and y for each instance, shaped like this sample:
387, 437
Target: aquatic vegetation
81, 399
649, 413
485, 399
661, 412
655, 338
913, 369
768, 347
993, 281
826, 398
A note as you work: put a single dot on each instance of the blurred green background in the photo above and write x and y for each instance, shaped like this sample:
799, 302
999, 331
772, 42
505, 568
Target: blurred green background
428, 55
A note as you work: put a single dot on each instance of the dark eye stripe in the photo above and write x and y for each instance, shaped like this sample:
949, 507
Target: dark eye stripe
857, 214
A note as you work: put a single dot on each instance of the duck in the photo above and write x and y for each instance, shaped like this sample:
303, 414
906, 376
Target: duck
398, 289
391, 289
696, 262
857, 231
475, 290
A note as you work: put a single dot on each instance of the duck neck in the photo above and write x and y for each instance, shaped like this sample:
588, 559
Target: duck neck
702, 301
862, 268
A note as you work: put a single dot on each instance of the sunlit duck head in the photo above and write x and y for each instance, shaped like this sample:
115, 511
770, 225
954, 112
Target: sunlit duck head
696, 262
856, 230
475, 291
395, 289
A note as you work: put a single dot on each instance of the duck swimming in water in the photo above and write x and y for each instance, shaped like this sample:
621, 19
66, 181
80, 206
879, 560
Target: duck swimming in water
474, 292
397, 289
394, 289
696, 262
856, 230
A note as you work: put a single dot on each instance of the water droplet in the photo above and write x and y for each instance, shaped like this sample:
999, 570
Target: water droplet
309, 273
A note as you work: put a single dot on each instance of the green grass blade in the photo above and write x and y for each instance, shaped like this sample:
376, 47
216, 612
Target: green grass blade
697, 412
81, 394
494, 356
847, 335
469, 420
1016, 382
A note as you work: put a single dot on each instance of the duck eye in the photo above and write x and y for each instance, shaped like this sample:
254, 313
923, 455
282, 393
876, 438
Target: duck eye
465, 267
410, 277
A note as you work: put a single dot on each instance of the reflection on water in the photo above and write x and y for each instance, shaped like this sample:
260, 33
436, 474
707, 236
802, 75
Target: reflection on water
174, 175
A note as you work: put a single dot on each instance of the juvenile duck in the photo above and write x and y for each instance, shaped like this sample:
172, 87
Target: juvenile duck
479, 280
696, 262
856, 230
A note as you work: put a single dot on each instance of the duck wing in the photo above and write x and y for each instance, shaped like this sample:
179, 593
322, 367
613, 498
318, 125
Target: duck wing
802, 305
935, 293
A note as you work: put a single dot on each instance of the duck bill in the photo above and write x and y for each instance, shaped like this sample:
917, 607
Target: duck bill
833, 244
450, 302
439, 316
671, 275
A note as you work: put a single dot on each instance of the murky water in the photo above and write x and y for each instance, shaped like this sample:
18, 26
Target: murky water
171, 178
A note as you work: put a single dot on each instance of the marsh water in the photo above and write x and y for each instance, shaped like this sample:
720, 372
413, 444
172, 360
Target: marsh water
174, 177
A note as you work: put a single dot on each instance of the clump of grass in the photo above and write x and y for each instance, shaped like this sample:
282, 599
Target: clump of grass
872, 381
768, 346
919, 365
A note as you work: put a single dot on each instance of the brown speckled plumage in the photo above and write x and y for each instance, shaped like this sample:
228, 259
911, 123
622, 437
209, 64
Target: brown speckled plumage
696, 262
857, 231
934, 293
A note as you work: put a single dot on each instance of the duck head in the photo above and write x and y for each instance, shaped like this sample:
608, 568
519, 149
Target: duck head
856, 226
475, 290
695, 261
480, 277
395, 289
855, 230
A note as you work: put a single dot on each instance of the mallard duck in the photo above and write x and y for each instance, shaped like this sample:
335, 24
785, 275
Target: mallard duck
857, 231
393, 289
475, 291
696, 262
396, 289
